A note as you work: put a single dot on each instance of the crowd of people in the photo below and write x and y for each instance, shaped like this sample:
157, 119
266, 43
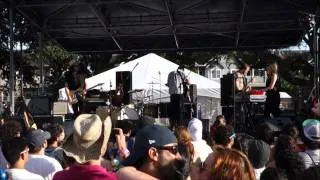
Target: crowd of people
96, 150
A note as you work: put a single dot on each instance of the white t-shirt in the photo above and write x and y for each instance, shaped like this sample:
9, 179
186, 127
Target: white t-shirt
43, 165
258, 172
22, 174
201, 149
175, 82
308, 154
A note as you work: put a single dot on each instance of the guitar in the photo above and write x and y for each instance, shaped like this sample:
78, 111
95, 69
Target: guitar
27, 116
28, 120
74, 96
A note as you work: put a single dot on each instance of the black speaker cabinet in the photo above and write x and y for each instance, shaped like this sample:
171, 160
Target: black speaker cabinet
227, 90
39, 105
176, 109
125, 77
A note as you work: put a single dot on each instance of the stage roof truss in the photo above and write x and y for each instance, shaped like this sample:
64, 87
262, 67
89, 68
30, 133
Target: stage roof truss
114, 26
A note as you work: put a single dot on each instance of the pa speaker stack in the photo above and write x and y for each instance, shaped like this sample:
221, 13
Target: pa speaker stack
227, 90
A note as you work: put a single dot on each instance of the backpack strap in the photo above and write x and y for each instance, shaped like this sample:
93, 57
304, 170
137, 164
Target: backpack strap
313, 162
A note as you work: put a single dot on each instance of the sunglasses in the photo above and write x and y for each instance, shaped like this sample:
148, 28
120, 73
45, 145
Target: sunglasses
172, 149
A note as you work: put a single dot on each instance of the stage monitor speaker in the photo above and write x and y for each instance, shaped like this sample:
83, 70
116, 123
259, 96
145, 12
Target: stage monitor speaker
227, 90
39, 105
125, 77
193, 93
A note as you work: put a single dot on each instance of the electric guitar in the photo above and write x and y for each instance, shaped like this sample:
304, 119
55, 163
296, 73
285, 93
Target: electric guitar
74, 96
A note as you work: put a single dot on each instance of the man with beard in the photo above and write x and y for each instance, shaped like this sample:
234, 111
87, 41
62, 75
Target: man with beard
155, 156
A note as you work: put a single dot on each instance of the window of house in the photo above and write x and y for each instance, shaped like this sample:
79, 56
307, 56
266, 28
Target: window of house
216, 73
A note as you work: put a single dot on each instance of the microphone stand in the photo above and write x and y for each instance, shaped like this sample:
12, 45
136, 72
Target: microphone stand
110, 97
159, 96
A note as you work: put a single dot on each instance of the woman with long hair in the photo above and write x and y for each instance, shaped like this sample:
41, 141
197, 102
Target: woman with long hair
231, 164
184, 139
272, 91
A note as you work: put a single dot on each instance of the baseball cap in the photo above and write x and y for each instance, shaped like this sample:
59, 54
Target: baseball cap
258, 153
37, 137
311, 129
149, 136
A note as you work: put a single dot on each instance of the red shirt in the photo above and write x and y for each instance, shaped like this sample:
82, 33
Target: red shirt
88, 172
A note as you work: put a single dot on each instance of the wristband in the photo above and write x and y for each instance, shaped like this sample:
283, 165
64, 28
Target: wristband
124, 153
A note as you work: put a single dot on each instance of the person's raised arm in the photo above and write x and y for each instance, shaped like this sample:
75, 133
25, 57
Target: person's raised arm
238, 83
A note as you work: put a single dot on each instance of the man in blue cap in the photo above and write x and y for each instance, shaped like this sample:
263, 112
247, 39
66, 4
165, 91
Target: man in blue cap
155, 153
38, 162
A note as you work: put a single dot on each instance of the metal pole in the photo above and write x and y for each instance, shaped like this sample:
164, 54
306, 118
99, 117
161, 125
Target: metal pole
41, 63
12, 68
316, 56
21, 71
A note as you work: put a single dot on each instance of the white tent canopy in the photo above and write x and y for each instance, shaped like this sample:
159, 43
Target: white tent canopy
150, 73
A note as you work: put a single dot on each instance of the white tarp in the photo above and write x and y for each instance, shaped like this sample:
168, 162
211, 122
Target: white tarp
150, 72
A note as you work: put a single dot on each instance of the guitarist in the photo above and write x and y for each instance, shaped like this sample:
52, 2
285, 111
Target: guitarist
178, 86
75, 87
178, 82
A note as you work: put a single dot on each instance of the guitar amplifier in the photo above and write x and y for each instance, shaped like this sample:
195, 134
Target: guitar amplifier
60, 108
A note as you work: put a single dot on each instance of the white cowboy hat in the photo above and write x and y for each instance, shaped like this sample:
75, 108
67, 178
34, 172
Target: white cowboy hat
90, 133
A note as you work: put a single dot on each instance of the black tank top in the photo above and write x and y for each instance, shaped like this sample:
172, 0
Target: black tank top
277, 85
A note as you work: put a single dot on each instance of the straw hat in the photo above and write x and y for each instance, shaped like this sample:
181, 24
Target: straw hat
89, 134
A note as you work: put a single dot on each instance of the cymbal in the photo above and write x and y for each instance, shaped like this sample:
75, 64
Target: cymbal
135, 90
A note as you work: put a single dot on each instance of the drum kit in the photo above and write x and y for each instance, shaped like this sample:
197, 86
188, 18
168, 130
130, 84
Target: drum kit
141, 104
114, 105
